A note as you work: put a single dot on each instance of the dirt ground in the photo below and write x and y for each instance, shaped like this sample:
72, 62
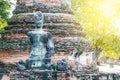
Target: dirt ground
105, 68
7, 56
12, 57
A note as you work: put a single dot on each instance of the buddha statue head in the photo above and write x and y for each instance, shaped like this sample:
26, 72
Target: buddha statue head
38, 19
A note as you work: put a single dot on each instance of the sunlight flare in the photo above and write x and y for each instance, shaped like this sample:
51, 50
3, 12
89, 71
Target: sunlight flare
107, 8
117, 23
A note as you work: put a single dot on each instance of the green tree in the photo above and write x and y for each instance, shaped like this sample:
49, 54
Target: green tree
100, 20
4, 13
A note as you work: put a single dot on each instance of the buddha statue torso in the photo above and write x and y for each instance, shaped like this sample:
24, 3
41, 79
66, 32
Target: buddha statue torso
39, 42
42, 46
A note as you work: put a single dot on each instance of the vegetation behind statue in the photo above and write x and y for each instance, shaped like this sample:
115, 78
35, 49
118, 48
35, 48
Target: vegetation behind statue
4, 14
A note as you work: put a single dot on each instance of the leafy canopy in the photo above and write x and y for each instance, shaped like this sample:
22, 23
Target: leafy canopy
101, 23
4, 13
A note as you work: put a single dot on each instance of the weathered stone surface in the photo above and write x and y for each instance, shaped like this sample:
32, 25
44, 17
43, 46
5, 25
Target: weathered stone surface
30, 26
55, 32
66, 44
48, 18
58, 20
59, 6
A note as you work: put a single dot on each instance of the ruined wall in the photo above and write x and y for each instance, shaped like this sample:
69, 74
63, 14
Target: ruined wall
58, 19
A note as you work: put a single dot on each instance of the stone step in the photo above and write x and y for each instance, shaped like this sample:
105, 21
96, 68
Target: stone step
54, 32
28, 10
67, 44
47, 8
29, 26
48, 18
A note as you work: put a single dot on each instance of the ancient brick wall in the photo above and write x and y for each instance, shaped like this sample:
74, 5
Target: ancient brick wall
58, 19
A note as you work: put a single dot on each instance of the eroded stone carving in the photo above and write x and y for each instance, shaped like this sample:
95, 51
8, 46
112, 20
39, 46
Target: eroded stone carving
42, 44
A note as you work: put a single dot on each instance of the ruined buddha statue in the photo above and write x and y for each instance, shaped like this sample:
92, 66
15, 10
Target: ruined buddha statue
42, 44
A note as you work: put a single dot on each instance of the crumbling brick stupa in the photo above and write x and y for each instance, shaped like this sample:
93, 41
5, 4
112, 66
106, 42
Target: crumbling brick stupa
58, 19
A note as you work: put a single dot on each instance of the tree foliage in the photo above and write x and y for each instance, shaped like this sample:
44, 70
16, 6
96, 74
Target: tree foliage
101, 23
4, 13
